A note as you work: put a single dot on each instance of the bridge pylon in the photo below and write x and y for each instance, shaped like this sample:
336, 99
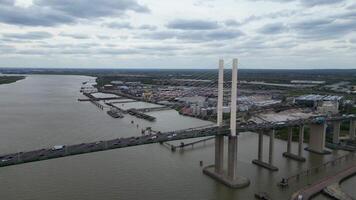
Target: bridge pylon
216, 171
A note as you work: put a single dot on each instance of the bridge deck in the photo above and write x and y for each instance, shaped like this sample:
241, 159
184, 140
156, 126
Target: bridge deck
69, 150
312, 190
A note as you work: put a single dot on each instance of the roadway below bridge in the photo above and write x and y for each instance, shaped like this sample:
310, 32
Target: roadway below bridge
71, 150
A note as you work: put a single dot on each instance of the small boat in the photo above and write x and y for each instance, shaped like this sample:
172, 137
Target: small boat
262, 196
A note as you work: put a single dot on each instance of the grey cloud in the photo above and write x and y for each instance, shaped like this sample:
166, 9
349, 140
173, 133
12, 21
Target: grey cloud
92, 8
147, 27
7, 2
184, 24
312, 3
55, 12
118, 25
274, 28
160, 48
33, 16
196, 36
75, 35
35, 35
308, 3
324, 28
272, 15
232, 22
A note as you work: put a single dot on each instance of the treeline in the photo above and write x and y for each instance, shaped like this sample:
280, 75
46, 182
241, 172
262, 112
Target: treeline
10, 79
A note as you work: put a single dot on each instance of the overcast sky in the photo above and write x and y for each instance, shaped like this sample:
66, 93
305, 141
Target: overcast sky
178, 34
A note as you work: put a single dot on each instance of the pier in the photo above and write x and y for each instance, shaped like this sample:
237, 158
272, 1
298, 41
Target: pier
140, 115
182, 145
153, 109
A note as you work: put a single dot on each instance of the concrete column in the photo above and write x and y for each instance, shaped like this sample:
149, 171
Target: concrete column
260, 146
301, 139
352, 129
219, 139
317, 138
220, 93
271, 146
233, 98
232, 149
336, 132
219, 154
289, 142
232, 158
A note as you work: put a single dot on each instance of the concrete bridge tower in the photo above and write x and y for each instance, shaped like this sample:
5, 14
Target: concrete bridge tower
230, 178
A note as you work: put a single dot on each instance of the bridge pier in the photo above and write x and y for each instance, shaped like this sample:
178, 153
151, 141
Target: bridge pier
352, 129
232, 158
289, 153
219, 154
260, 161
317, 139
336, 132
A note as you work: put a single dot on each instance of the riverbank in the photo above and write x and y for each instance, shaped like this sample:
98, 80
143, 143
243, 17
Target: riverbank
10, 79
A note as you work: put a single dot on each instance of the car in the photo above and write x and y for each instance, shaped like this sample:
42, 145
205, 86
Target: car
154, 137
300, 197
57, 147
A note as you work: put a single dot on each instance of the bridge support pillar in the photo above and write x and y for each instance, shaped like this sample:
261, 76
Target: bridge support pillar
260, 146
301, 140
259, 161
219, 154
336, 132
352, 129
289, 153
289, 140
271, 147
232, 158
317, 139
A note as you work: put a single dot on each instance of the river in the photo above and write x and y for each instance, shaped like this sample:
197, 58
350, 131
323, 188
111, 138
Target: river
43, 111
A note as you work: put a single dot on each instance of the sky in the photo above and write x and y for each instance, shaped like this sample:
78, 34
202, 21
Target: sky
282, 34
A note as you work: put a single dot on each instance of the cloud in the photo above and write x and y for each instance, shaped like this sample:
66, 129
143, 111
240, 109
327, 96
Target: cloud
232, 23
118, 25
184, 24
75, 35
92, 8
7, 2
195, 36
147, 27
34, 35
274, 28
324, 28
55, 12
308, 3
312, 3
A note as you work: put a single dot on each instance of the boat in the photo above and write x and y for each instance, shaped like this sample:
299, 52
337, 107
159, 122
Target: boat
262, 196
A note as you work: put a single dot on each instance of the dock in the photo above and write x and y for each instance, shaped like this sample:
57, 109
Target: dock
153, 109
140, 115
183, 145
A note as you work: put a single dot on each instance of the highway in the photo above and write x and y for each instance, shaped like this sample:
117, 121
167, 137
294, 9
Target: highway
70, 150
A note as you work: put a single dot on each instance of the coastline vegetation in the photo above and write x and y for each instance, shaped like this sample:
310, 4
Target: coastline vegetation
10, 79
